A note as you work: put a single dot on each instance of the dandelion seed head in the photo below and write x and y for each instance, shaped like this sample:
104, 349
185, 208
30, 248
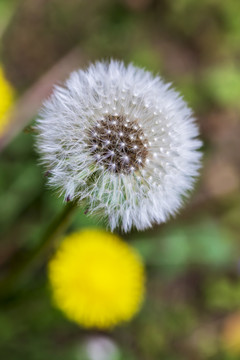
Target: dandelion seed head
116, 127
125, 152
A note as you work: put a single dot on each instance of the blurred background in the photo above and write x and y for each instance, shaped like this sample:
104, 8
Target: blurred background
192, 306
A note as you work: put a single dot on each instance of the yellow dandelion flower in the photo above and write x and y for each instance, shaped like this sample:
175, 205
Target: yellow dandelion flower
97, 280
6, 100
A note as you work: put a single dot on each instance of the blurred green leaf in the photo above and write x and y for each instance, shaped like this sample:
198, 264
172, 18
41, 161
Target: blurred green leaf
201, 243
222, 84
222, 294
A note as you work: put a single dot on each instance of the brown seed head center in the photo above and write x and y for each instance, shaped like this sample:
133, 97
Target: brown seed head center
118, 144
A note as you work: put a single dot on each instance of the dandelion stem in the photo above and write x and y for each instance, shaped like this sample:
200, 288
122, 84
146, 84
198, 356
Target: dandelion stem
52, 233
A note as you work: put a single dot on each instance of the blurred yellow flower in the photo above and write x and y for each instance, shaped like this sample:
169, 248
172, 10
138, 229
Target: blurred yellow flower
231, 334
97, 280
6, 99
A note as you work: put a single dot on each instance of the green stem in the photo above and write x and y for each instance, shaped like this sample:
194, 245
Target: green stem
54, 230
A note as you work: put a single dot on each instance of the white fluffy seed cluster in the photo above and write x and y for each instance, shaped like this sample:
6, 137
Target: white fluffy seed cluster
121, 140
118, 144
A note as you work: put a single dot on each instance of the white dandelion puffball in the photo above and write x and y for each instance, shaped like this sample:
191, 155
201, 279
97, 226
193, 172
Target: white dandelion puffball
121, 140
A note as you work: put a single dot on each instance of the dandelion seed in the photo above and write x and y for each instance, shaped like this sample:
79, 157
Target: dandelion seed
144, 130
97, 280
68, 198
